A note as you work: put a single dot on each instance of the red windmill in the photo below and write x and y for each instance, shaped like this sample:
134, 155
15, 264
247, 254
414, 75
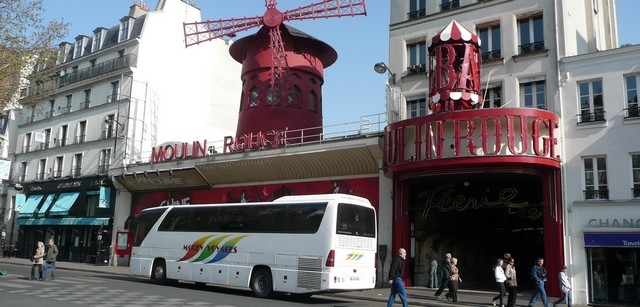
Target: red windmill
282, 70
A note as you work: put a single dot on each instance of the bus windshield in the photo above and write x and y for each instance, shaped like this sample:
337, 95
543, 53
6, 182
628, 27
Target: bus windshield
144, 222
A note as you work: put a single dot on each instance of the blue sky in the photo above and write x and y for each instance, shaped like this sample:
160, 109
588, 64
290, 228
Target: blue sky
352, 89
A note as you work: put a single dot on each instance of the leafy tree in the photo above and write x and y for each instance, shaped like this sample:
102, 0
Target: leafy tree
26, 39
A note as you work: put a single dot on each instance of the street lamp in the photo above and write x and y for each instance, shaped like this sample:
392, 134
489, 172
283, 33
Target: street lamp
382, 68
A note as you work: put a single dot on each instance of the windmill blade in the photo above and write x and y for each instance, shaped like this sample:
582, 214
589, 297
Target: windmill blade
202, 31
326, 9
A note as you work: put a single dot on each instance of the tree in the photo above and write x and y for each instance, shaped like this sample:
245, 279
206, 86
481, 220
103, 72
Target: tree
26, 39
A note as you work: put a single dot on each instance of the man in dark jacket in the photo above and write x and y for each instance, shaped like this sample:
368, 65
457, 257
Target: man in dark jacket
396, 273
444, 274
50, 260
539, 275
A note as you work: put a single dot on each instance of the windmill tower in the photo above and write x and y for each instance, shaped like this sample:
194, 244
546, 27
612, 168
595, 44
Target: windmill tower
282, 69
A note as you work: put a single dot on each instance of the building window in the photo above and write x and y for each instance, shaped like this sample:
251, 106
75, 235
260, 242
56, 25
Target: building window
81, 133
490, 38
595, 178
253, 97
52, 103
531, 34
417, 107
109, 126
294, 96
533, 95
76, 168
57, 167
47, 138
87, 99
67, 108
22, 172
103, 164
492, 98
97, 41
42, 167
417, 8
631, 84
26, 143
273, 95
313, 101
591, 104
115, 92
635, 173
62, 136
417, 57
77, 49
124, 30
449, 4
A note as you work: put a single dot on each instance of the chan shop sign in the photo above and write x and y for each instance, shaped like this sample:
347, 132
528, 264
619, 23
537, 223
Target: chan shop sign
509, 132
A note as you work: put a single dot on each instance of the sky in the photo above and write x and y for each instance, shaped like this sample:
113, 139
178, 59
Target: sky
352, 89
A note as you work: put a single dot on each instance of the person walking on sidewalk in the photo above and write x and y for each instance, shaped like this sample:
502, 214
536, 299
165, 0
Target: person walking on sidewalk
539, 275
443, 271
396, 273
498, 273
50, 260
454, 278
511, 283
37, 261
565, 287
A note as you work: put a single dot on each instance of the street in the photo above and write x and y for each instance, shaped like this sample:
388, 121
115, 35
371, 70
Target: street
97, 289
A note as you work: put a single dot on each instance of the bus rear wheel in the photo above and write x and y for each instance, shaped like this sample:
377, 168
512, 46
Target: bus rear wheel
262, 283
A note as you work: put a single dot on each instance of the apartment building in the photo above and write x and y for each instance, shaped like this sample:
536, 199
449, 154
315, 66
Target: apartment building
113, 95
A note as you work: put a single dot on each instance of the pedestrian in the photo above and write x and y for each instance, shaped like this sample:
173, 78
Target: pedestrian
565, 287
512, 282
432, 261
50, 260
443, 271
396, 274
37, 261
539, 275
454, 278
498, 273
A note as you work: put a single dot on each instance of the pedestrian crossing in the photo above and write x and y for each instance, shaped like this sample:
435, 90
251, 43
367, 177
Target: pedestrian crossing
87, 291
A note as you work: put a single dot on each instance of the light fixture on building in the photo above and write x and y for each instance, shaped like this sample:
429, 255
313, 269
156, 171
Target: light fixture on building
382, 68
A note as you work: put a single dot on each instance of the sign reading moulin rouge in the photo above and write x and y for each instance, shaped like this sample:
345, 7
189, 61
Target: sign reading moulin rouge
179, 151
513, 132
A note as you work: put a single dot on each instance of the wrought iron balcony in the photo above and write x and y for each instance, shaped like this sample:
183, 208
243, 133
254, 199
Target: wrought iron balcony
633, 111
416, 14
589, 117
491, 55
596, 194
531, 47
445, 6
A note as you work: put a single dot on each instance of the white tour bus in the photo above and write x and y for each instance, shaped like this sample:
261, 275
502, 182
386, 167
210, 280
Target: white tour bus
295, 244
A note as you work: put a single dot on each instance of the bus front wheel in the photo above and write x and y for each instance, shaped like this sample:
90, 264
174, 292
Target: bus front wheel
262, 283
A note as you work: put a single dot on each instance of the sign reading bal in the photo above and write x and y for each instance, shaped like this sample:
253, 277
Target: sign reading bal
454, 70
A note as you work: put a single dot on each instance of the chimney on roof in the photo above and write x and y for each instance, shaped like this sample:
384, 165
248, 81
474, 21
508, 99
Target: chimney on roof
138, 9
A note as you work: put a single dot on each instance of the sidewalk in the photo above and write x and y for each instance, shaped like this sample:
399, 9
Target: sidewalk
418, 296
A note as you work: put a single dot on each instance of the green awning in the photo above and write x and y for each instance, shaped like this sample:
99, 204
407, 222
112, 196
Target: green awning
46, 205
63, 204
85, 221
30, 205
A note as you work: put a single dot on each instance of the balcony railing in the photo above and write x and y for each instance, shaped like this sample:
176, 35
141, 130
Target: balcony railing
40, 176
103, 169
61, 142
632, 111
65, 110
26, 148
80, 139
445, 6
57, 174
596, 194
76, 172
129, 60
531, 47
491, 55
107, 134
49, 114
416, 69
43, 146
589, 117
84, 105
416, 14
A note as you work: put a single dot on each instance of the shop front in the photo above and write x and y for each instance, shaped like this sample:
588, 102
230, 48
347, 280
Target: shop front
76, 214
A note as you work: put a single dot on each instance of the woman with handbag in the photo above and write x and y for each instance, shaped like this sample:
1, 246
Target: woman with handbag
511, 283
454, 279
498, 273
